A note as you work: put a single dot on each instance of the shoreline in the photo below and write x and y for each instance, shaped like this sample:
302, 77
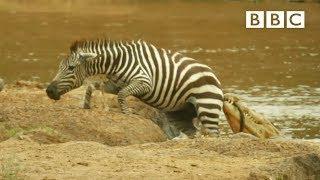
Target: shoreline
41, 138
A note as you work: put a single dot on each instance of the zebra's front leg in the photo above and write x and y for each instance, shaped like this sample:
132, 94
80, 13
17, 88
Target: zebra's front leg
106, 86
88, 96
135, 88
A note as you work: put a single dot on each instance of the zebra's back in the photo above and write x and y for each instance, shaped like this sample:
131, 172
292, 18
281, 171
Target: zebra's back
174, 78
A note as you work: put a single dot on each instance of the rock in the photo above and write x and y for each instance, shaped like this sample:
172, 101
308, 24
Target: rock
305, 166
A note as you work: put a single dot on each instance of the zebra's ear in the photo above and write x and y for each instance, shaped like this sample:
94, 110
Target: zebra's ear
86, 56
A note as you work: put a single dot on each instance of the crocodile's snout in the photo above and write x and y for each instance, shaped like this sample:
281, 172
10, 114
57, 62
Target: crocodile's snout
242, 119
233, 115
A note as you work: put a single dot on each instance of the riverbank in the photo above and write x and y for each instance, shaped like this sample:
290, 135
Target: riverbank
44, 139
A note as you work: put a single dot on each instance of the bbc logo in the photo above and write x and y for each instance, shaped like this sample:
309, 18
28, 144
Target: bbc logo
275, 19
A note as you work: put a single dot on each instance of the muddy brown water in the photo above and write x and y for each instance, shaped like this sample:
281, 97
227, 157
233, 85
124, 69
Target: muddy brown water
275, 71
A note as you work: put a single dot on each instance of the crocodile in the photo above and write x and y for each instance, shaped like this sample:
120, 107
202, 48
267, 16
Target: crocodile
243, 119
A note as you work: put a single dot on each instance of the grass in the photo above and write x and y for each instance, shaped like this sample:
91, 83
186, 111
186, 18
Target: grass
13, 132
10, 168
17, 131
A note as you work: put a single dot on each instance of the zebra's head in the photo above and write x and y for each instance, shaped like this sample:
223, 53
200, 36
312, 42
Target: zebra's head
70, 75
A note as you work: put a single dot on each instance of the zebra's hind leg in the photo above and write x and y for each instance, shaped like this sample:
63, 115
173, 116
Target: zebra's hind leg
136, 88
208, 113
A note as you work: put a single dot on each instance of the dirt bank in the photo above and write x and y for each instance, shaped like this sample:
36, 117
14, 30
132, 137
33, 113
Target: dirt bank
43, 139
26, 109
206, 158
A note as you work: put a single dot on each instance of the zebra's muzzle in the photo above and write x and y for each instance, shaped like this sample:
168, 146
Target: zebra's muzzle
52, 91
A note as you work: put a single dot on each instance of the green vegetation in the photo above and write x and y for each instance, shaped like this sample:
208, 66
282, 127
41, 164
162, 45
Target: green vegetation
13, 132
17, 131
10, 168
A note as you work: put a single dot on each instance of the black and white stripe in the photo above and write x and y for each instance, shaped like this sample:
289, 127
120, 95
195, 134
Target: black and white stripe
163, 79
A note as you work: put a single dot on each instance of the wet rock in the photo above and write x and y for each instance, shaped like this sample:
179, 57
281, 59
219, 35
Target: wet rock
168, 128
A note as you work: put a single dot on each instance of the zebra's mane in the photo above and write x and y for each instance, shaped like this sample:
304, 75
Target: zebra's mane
82, 44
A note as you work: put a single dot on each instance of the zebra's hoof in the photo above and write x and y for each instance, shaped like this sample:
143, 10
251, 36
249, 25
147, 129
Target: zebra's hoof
128, 111
86, 106
181, 136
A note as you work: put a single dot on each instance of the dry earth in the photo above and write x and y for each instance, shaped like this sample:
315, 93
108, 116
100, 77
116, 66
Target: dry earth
44, 139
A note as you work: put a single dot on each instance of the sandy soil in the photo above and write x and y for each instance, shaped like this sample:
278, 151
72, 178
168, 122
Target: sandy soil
44, 139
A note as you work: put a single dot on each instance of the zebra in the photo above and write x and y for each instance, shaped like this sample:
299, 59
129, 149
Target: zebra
166, 80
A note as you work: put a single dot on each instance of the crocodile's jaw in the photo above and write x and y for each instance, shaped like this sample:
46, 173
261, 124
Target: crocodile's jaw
233, 116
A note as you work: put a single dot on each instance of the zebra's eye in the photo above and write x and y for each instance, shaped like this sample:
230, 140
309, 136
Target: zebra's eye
71, 68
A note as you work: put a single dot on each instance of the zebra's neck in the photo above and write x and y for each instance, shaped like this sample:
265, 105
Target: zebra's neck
107, 57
